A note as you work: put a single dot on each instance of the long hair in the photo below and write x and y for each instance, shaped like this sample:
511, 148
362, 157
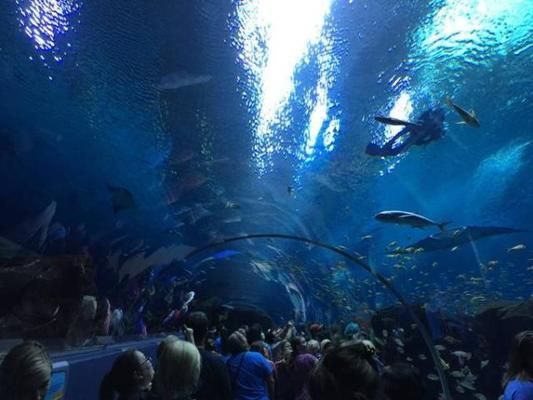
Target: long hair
520, 358
178, 369
27, 366
121, 379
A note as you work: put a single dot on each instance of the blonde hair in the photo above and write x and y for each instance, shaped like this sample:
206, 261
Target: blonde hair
178, 369
26, 366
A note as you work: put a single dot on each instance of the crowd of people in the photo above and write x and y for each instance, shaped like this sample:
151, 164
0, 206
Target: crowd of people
249, 364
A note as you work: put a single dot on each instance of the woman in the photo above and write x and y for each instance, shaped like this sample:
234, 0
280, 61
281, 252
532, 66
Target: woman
178, 369
130, 377
251, 374
25, 372
518, 380
301, 365
345, 373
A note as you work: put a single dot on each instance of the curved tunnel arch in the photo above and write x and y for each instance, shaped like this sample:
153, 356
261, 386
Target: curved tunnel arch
383, 280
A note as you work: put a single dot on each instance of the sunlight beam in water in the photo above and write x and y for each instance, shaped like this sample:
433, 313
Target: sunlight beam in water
274, 37
44, 21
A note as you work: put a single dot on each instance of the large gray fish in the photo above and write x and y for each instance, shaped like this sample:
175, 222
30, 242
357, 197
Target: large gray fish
469, 117
407, 218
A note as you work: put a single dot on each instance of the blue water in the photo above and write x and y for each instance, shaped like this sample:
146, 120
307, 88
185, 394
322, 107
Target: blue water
272, 141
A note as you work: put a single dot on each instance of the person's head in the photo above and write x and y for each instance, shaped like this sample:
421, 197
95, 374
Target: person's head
325, 346
199, 323
255, 333
236, 343
313, 346
25, 372
402, 381
178, 369
164, 343
132, 372
345, 373
260, 347
298, 344
520, 358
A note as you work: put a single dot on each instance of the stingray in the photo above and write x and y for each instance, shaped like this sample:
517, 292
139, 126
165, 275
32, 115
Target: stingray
460, 236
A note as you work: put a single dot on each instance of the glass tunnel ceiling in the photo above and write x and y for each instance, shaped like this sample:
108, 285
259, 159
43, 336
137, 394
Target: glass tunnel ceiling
247, 117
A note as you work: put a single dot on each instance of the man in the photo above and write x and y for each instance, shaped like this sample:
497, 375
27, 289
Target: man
428, 128
214, 381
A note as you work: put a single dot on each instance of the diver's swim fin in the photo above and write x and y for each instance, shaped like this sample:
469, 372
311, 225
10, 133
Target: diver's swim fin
394, 121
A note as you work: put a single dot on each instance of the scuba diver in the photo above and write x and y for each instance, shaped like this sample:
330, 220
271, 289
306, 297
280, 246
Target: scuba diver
428, 128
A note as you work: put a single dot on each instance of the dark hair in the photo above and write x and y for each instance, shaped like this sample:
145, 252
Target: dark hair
254, 333
26, 367
121, 379
200, 325
402, 381
345, 373
260, 347
520, 358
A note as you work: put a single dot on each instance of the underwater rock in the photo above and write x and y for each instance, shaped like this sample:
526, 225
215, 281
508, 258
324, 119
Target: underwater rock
499, 322
39, 295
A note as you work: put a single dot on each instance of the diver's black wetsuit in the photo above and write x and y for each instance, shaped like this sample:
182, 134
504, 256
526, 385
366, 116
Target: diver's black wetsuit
430, 127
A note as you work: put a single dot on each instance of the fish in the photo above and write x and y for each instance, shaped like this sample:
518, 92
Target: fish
366, 237
408, 218
449, 239
462, 354
457, 374
394, 121
35, 228
439, 347
484, 363
121, 199
180, 79
480, 396
468, 117
432, 377
232, 205
454, 248
422, 357
435, 264
290, 190
459, 389
518, 247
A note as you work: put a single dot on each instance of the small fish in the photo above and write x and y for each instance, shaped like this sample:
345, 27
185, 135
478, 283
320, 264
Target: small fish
518, 247
484, 363
480, 396
457, 374
459, 389
232, 205
440, 347
435, 264
366, 237
290, 190
454, 248
467, 384
422, 357
181, 79
468, 117
462, 354
433, 377
451, 340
